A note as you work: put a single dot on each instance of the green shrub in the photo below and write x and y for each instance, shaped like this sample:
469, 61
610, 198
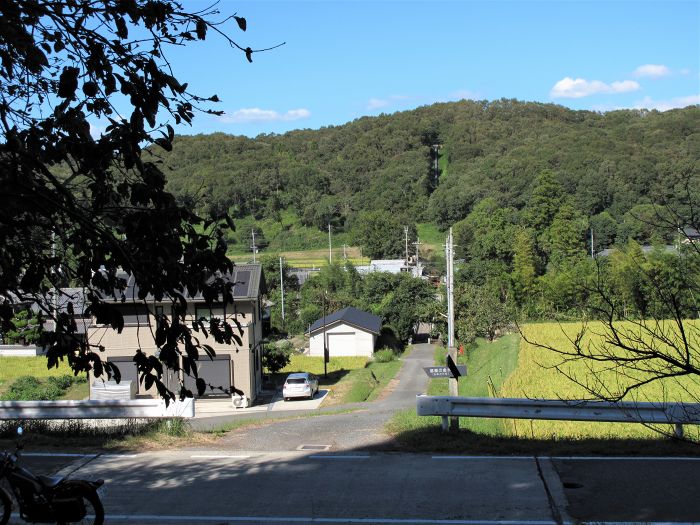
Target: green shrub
276, 357
63, 382
29, 388
384, 355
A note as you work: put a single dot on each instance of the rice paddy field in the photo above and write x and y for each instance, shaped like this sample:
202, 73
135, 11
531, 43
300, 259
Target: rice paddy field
536, 377
512, 367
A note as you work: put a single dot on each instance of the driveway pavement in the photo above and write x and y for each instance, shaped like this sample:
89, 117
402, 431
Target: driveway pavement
210, 408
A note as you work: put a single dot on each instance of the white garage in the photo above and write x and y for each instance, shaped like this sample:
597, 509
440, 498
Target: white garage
347, 332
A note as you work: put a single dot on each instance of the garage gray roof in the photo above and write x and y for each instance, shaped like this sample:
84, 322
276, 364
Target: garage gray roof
351, 316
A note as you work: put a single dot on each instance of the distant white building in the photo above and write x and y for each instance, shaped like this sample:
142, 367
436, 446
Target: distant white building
347, 332
392, 266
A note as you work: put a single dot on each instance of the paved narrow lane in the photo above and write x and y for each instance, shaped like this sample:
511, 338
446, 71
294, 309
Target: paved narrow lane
355, 430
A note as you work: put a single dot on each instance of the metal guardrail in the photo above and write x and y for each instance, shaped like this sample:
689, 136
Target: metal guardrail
96, 409
677, 414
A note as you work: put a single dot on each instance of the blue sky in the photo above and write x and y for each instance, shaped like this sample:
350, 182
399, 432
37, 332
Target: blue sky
346, 59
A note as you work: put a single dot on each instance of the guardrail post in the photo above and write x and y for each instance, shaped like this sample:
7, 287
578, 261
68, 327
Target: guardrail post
445, 424
678, 430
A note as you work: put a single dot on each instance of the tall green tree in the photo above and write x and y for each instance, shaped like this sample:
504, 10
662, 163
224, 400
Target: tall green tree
524, 268
381, 234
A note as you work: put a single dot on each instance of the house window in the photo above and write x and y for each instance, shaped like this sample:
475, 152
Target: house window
159, 311
202, 311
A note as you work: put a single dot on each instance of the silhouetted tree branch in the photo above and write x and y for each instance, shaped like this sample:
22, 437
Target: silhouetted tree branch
85, 208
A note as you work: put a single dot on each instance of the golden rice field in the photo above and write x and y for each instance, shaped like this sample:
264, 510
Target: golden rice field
535, 377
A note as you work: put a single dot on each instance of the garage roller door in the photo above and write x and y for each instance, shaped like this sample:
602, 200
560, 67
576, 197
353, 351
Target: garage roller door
216, 373
341, 343
127, 368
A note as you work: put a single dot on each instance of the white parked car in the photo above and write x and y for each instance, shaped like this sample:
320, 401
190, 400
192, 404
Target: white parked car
301, 384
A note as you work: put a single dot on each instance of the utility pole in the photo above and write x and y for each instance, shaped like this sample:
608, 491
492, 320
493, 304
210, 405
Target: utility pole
330, 248
282, 288
451, 349
326, 353
417, 245
405, 234
255, 248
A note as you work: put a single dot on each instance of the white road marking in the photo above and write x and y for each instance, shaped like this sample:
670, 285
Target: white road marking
576, 458
218, 456
484, 457
625, 458
324, 456
318, 519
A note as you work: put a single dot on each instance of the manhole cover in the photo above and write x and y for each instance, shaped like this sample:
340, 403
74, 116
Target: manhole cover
314, 447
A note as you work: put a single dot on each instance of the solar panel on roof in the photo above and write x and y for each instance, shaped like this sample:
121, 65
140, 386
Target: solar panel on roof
242, 283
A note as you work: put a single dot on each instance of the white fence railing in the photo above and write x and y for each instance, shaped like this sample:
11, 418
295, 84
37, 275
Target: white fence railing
677, 414
96, 409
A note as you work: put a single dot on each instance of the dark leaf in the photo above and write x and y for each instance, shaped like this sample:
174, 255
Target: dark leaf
164, 143
90, 88
249, 54
201, 29
68, 82
122, 31
241, 22
201, 386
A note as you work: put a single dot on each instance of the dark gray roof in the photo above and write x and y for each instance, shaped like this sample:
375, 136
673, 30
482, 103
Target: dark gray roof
351, 316
690, 233
248, 281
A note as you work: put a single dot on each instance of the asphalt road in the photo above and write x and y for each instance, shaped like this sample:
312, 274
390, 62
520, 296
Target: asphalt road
226, 487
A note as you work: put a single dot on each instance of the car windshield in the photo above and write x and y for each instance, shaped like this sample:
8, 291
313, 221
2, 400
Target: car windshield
296, 381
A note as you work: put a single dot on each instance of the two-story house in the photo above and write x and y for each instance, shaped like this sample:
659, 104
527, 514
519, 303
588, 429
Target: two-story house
234, 366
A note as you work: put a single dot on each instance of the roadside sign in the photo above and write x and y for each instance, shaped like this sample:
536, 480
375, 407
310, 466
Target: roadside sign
443, 371
456, 372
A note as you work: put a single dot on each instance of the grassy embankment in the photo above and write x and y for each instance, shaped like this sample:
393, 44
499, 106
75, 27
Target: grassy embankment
12, 368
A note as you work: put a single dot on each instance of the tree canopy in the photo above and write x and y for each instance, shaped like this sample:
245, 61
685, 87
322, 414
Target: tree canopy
80, 209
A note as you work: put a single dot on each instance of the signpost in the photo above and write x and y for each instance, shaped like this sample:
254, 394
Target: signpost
444, 372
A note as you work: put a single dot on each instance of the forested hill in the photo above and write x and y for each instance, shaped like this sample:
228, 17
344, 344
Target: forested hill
608, 162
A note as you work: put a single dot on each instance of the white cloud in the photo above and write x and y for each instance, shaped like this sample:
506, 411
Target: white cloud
576, 88
652, 70
379, 103
251, 115
665, 105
